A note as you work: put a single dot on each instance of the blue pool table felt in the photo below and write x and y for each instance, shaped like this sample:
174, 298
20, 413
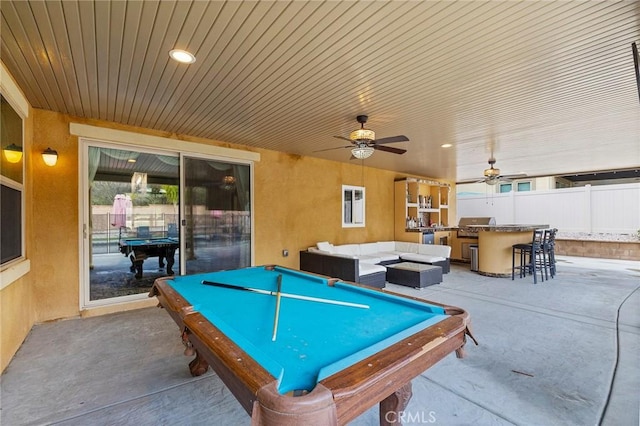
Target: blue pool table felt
148, 241
314, 340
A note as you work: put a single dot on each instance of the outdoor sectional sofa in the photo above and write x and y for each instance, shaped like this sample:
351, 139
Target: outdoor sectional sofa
364, 263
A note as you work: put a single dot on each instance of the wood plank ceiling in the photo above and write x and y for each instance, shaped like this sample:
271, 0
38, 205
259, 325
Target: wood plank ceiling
549, 87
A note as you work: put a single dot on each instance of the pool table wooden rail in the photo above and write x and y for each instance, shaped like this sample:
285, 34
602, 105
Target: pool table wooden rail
384, 377
169, 299
389, 372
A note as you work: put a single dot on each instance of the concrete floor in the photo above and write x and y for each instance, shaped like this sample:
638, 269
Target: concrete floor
562, 352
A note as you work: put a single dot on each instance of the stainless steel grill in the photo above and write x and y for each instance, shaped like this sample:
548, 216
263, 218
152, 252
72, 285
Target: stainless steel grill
465, 222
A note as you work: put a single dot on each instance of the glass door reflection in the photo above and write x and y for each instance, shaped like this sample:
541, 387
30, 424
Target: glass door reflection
133, 221
217, 215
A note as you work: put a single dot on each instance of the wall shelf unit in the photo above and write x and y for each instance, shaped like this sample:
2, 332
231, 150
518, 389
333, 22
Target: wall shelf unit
420, 205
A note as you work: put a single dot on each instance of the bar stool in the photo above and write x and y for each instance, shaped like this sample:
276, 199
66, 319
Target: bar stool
532, 257
549, 245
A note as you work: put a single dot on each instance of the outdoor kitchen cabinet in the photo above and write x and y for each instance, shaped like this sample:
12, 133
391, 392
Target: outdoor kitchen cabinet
421, 206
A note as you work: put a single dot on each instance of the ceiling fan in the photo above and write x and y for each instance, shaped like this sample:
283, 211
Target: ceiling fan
492, 175
364, 142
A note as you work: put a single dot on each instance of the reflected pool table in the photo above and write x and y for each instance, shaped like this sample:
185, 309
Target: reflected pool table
138, 249
329, 362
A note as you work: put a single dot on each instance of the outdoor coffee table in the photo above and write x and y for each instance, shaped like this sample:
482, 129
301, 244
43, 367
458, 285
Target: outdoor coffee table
416, 275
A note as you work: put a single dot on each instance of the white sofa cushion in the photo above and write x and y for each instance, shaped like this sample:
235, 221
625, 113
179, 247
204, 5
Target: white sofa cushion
434, 250
405, 247
387, 251
368, 268
421, 258
317, 250
388, 256
325, 246
369, 248
348, 249
372, 260
386, 246
370, 253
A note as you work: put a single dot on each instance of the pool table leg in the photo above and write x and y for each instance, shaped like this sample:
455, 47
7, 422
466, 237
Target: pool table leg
391, 407
198, 366
136, 264
139, 269
171, 259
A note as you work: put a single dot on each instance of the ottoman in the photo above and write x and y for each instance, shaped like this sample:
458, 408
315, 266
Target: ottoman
416, 275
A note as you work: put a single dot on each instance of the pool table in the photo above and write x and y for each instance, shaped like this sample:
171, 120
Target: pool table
138, 249
319, 361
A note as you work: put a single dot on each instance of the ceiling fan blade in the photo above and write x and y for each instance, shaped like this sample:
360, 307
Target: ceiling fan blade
392, 139
513, 176
342, 137
389, 149
330, 149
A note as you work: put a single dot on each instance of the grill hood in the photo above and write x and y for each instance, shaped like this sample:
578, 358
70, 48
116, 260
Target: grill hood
469, 221
466, 221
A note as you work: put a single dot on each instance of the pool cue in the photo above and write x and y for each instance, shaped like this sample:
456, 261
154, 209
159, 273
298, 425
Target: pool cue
275, 320
290, 296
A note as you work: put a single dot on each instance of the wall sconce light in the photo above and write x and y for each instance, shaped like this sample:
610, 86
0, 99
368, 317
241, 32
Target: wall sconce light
13, 153
50, 156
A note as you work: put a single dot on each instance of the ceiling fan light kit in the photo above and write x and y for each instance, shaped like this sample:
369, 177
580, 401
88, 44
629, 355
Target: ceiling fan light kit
362, 135
491, 172
362, 152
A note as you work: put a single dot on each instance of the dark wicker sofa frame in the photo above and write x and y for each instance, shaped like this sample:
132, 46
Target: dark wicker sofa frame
345, 268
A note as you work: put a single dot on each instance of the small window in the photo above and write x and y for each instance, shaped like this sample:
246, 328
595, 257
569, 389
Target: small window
524, 186
353, 206
505, 187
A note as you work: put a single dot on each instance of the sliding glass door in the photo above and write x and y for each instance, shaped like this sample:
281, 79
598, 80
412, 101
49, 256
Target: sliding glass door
151, 213
131, 229
216, 215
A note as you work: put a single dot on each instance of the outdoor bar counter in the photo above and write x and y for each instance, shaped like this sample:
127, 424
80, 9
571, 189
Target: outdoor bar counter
494, 246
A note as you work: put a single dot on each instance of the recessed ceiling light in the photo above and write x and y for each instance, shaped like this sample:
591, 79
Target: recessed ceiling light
446, 145
182, 56
131, 160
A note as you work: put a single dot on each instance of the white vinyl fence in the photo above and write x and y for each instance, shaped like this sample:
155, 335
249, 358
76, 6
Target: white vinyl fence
591, 209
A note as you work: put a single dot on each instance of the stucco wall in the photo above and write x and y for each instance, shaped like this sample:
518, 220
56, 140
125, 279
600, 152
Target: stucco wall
54, 254
17, 316
297, 203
